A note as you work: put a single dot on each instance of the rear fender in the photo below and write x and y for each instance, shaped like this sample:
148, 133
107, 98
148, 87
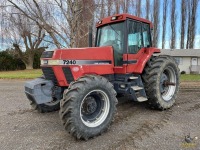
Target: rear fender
140, 59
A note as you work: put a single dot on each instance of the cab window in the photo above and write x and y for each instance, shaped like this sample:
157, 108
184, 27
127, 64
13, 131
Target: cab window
135, 42
146, 35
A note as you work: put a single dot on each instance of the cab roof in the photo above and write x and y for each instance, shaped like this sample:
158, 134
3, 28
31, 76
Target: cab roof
119, 18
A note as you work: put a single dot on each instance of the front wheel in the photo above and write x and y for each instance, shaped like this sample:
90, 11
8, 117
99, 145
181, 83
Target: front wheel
54, 105
88, 106
161, 81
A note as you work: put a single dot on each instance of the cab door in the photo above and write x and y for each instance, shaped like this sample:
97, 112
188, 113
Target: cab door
139, 41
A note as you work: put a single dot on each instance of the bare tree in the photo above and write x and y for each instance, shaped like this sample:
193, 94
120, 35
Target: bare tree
192, 23
165, 6
102, 7
147, 9
188, 23
173, 24
125, 5
183, 22
117, 6
25, 36
86, 20
35, 12
156, 6
138, 8
63, 18
109, 6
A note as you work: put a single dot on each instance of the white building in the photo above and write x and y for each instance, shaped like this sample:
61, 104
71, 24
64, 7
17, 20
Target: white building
188, 59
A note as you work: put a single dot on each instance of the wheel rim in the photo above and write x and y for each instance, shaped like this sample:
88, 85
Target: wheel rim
168, 83
94, 108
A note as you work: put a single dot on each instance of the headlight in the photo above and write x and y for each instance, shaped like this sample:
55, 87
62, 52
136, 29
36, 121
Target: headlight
44, 62
50, 62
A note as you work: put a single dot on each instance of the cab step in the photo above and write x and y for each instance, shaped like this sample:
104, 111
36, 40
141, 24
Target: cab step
141, 99
133, 77
136, 88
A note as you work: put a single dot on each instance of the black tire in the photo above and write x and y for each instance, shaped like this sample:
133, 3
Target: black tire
47, 107
72, 106
159, 73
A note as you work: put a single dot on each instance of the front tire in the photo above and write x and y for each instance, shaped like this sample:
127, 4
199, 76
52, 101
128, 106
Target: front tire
54, 105
161, 81
88, 106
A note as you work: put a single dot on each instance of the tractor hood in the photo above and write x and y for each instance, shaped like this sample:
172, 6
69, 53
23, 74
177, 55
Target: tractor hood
79, 56
63, 66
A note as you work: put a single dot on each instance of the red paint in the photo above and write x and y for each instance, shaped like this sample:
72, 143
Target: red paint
87, 53
92, 53
142, 57
122, 17
100, 53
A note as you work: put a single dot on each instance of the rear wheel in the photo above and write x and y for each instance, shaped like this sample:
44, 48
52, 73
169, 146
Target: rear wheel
88, 106
161, 81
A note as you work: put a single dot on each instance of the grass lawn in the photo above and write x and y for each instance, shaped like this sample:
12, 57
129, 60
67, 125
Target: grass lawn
20, 74
31, 74
190, 77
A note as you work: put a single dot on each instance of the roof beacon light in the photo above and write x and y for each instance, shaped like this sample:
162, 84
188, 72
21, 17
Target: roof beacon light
114, 18
100, 22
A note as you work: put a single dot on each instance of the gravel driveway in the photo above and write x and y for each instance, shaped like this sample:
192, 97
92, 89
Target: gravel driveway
135, 126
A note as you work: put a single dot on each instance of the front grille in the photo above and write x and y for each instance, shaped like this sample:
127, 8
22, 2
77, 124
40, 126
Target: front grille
68, 74
49, 74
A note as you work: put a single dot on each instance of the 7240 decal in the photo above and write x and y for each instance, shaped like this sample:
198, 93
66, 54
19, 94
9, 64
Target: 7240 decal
69, 62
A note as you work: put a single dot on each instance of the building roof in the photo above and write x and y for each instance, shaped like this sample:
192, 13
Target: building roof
181, 52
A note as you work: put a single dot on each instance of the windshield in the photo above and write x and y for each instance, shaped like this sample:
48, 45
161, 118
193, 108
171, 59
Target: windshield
111, 35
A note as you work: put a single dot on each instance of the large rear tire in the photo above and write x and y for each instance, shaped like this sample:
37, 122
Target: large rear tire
161, 81
88, 106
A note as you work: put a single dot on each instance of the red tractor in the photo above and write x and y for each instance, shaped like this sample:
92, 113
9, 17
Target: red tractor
83, 82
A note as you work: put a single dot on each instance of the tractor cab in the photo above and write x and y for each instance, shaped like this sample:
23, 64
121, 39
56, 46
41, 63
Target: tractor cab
127, 35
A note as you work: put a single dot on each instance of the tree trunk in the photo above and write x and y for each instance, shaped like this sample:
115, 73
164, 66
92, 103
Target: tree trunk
156, 7
29, 66
138, 8
173, 24
29, 63
165, 5
86, 19
183, 23
147, 9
